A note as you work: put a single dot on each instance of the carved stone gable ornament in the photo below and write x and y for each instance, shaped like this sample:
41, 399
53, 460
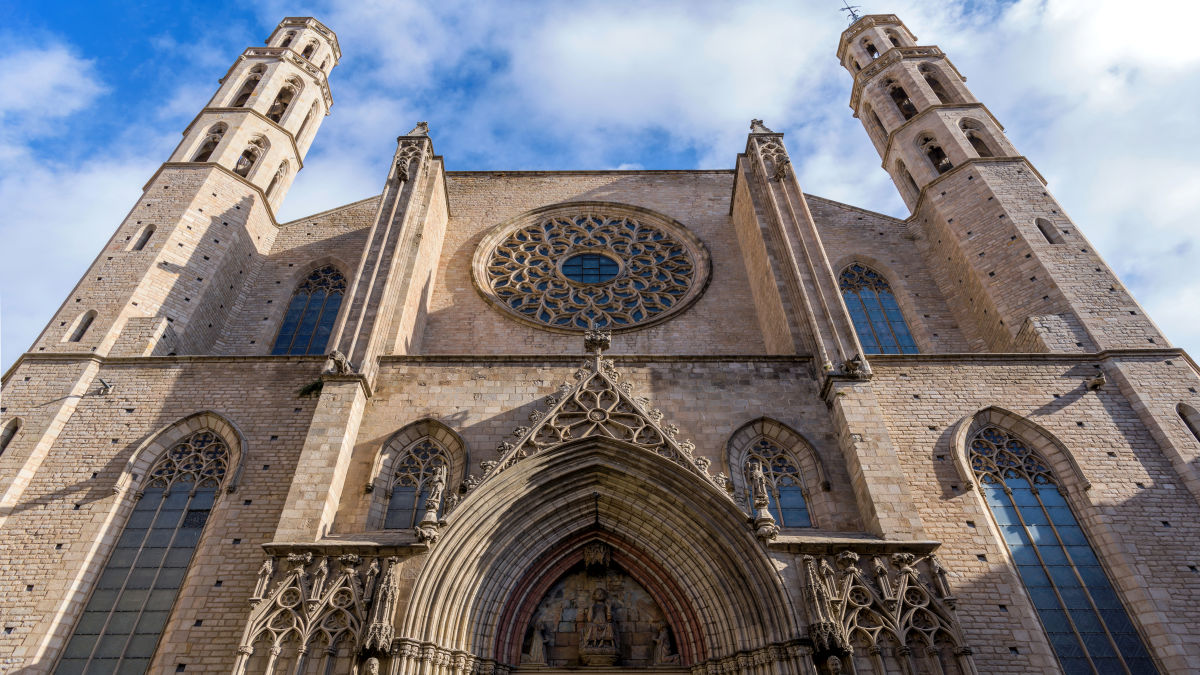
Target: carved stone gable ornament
598, 404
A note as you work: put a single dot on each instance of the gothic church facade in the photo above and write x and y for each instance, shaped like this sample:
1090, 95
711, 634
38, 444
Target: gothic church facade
636, 421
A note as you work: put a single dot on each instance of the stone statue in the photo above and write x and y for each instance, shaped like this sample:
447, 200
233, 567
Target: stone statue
598, 646
537, 646
372, 666
663, 655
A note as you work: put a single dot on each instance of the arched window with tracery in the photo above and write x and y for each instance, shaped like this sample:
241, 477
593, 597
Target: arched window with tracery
976, 136
900, 97
877, 318
909, 182
870, 49
287, 39
250, 156
312, 112
933, 151
412, 475
248, 87
310, 50
124, 617
1084, 618
309, 319
934, 80
894, 38
280, 174
283, 100
211, 140
9, 432
785, 486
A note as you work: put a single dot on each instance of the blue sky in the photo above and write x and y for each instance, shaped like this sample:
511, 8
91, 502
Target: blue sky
99, 92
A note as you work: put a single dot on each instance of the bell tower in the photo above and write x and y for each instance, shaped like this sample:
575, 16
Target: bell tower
1018, 273
166, 280
263, 118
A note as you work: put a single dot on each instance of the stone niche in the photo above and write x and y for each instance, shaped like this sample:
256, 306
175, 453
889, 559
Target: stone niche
572, 610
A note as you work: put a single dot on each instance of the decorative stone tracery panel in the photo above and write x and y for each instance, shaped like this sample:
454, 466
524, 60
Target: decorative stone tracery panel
645, 267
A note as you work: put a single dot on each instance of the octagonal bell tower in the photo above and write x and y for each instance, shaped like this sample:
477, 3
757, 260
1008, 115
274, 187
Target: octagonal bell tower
1016, 271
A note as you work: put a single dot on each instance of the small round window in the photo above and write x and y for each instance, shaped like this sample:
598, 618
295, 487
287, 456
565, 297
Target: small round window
590, 268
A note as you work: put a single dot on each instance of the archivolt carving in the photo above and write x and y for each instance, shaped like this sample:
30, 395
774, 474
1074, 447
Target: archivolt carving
653, 267
892, 613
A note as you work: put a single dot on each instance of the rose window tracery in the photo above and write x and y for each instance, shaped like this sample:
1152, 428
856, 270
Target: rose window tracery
586, 266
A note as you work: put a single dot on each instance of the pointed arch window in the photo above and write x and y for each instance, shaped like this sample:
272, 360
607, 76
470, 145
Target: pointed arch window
785, 487
1084, 618
310, 315
254, 150
8, 433
283, 100
900, 97
247, 90
309, 50
976, 137
277, 179
937, 157
122, 621
871, 50
287, 39
877, 318
312, 112
412, 477
211, 140
935, 84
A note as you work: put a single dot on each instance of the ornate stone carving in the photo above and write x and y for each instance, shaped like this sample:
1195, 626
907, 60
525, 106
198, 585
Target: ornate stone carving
894, 605
764, 523
648, 268
200, 460
311, 604
597, 406
337, 364
598, 644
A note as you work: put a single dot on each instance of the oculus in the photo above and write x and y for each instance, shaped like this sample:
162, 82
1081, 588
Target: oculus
591, 265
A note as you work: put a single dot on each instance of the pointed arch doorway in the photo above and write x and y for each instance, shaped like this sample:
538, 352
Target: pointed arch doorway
680, 576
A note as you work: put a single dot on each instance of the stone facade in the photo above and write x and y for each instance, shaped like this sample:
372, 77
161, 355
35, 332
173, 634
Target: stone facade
738, 487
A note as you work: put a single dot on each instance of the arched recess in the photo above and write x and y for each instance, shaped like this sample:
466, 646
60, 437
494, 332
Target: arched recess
134, 473
1061, 460
1191, 419
812, 468
682, 536
383, 468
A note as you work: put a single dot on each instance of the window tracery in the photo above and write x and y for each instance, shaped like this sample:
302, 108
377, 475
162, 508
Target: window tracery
413, 474
248, 87
900, 97
785, 487
580, 268
210, 142
250, 156
1084, 619
310, 315
933, 151
124, 617
876, 315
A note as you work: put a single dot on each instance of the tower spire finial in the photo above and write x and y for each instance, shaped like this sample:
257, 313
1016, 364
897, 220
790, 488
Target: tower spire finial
852, 10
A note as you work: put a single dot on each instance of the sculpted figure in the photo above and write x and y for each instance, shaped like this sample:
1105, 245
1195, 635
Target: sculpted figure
598, 626
662, 647
537, 646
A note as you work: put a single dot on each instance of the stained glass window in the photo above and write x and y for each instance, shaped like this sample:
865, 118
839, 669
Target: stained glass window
873, 309
784, 485
122, 621
1084, 619
590, 268
309, 319
412, 475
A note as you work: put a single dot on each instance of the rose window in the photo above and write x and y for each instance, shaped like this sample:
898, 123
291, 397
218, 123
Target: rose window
580, 266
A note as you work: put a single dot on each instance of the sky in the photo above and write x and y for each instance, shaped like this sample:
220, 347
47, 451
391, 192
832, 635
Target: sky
1098, 94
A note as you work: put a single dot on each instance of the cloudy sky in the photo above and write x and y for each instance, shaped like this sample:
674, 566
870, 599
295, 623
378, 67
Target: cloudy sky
1099, 94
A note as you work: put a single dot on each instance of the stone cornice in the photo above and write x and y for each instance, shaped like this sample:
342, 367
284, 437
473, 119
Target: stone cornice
970, 161
919, 117
889, 58
310, 22
290, 56
213, 165
868, 21
255, 113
